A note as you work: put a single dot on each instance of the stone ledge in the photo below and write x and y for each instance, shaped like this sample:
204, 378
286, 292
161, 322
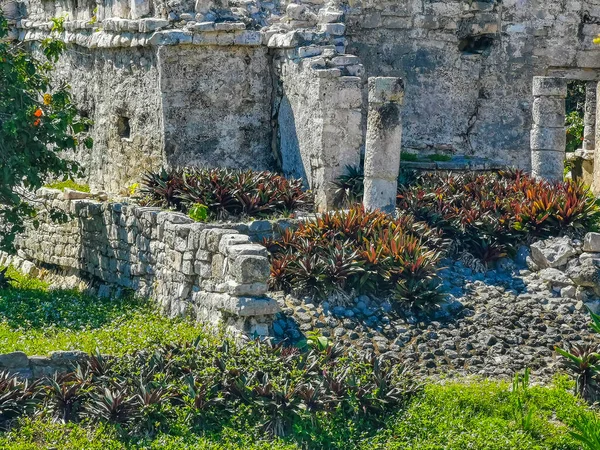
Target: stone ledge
33, 367
109, 39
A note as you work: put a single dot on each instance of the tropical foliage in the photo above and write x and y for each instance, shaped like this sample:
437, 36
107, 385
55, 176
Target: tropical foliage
355, 251
225, 192
38, 122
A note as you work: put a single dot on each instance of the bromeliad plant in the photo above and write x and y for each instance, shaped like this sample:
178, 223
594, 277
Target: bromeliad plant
203, 383
584, 362
225, 192
357, 251
489, 214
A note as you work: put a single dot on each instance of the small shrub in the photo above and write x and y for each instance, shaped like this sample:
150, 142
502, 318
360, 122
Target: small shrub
574, 123
584, 362
225, 192
69, 184
349, 187
198, 212
362, 252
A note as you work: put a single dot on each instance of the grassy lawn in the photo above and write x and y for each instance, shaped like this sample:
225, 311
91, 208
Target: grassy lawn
457, 415
36, 320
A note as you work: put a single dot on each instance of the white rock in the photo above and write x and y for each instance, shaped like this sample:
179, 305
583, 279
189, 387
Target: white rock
553, 252
591, 243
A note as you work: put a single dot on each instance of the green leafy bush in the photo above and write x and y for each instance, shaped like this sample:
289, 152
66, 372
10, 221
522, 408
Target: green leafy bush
198, 212
226, 192
574, 123
38, 123
353, 250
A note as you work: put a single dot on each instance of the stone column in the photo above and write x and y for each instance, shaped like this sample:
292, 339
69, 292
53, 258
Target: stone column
383, 143
589, 116
596, 169
548, 133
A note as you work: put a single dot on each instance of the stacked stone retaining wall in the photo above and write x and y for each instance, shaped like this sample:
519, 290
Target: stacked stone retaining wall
209, 271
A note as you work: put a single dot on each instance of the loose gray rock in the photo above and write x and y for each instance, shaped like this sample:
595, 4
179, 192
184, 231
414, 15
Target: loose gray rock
591, 242
553, 252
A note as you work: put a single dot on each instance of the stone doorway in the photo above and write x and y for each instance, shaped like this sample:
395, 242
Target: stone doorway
549, 134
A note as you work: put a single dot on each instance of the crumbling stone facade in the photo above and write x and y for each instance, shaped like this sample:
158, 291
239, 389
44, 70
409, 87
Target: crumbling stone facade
282, 84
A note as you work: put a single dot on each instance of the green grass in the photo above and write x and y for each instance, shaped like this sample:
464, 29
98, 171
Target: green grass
410, 157
36, 320
69, 184
439, 158
458, 415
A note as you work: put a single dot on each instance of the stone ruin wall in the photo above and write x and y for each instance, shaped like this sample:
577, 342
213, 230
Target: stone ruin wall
234, 83
242, 83
213, 272
278, 85
468, 66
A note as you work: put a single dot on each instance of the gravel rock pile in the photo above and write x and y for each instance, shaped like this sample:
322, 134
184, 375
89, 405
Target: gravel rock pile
492, 324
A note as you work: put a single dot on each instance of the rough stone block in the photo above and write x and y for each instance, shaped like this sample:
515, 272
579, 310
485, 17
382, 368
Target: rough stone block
550, 86
548, 138
213, 238
218, 265
549, 112
14, 360
591, 242
139, 8
232, 239
249, 269
548, 165
553, 252
247, 249
243, 290
229, 26
247, 306
335, 29
153, 24
171, 37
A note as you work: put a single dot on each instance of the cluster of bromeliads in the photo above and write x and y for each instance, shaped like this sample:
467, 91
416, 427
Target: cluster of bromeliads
485, 215
202, 386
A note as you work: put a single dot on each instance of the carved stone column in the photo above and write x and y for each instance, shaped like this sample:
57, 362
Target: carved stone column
589, 116
548, 134
383, 143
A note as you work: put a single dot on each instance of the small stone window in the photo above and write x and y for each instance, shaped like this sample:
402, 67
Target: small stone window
123, 127
475, 45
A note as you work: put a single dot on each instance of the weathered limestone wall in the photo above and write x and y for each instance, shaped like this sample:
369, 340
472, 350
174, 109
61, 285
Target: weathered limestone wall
175, 97
468, 66
318, 111
216, 105
118, 89
210, 272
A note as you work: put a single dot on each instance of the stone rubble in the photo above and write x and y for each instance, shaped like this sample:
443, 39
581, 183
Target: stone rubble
492, 324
